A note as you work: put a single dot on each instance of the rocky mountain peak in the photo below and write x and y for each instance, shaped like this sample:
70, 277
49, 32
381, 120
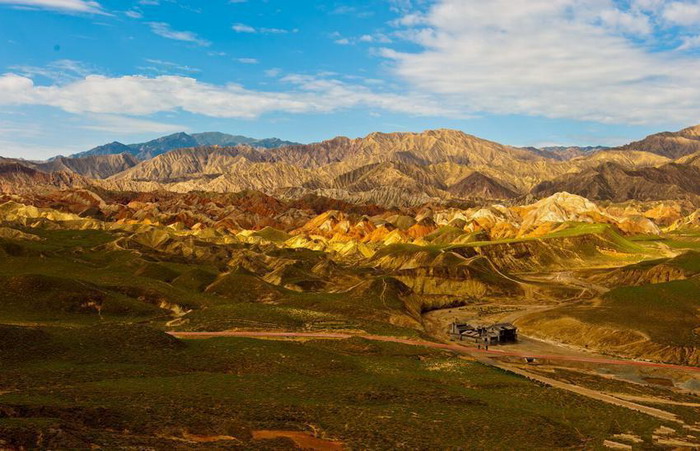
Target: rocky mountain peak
691, 132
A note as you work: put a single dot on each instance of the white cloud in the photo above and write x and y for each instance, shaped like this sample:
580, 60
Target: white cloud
130, 125
162, 67
243, 28
626, 22
142, 96
551, 58
353, 11
15, 130
364, 39
163, 29
134, 14
84, 6
410, 20
401, 5
690, 42
247, 60
379, 38
15, 90
647, 5
58, 71
683, 13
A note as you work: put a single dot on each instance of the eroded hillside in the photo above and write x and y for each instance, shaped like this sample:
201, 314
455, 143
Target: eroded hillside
222, 296
387, 169
367, 266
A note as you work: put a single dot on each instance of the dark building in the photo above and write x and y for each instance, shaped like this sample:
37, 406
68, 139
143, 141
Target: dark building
495, 334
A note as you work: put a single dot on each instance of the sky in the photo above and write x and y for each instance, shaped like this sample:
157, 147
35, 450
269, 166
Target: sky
79, 73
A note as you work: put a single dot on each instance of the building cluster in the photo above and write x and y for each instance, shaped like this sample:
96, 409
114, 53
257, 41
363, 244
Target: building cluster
494, 334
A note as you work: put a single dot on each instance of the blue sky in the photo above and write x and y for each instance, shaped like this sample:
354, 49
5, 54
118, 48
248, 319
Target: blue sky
78, 73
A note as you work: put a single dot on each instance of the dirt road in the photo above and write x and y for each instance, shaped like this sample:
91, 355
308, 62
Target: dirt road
435, 345
487, 357
594, 394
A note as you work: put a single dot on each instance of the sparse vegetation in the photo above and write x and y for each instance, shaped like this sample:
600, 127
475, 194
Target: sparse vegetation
160, 390
87, 360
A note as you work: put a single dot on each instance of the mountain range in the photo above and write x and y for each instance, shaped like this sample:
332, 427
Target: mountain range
341, 262
153, 148
388, 169
569, 152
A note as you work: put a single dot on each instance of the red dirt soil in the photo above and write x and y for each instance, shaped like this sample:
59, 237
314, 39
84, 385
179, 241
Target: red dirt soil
303, 440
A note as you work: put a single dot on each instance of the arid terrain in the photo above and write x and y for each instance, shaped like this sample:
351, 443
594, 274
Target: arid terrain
267, 294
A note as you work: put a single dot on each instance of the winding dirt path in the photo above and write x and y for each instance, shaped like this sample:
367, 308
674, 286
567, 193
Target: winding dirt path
568, 278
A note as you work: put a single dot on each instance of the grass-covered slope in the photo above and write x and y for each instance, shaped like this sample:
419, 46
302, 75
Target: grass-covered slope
667, 312
653, 318
86, 360
135, 387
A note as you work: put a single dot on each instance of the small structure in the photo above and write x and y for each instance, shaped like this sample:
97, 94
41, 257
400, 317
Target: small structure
489, 335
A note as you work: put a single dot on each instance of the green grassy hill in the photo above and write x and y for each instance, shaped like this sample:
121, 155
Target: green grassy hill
135, 387
652, 321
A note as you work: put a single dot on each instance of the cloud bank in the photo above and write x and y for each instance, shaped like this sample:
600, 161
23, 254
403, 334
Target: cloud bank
594, 60
84, 6
143, 96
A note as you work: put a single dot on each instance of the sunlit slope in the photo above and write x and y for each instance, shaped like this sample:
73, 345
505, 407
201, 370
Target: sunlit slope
655, 319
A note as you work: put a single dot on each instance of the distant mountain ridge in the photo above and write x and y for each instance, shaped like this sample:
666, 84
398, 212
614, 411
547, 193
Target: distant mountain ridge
569, 152
159, 146
386, 169
389, 169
